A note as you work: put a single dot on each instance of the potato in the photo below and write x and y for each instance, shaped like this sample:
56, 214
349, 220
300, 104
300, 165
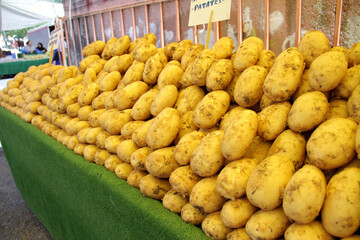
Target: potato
211, 108
223, 47
153, 66
174, 201
189, 98
164, 129
123, 63
186, 80
190, 55
183, 179
160, 163
340, 214
284, 77
232, 180
88, 93
94, 48
134, 73
84, 112
90, 76
248, 89
213, 226
141, 109
100, 140
106, 53
108, 65
110, 82
111, 162
165, 97
269, 178
154, 187
169, 49
327, 71
258, 149
99, 101
353, 237
312, 45
181, 49
135, 177
267, 224
89, 152
100, 157
81, 135
207, 159
116, 121
93, 117
229, 116
313, 230
304, 194
235, 213
78, 126
186, 146
140, 134
138, 158
64, 120
127, 96
204, 196
144, 52
125, 149
248, 53
128, 128
239, 135
337, 109
69, 125
201, 66
33, 107
123, 170
353, 104
219, 75
291, 145
332, 144
170, 75
112, 142
238, 234
272, 120
36, 120
121, 46
266, 59
350, 81
308, 111
92, 134
357, 141
98, 65
102, 118
354, 54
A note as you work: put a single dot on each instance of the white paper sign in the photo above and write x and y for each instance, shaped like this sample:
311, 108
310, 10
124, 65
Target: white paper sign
200, 11
54, 39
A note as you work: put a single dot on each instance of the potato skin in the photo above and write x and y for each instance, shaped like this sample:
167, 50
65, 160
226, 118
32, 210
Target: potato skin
353, 104
121, 46
192, 215
110, 82
144, 52
232, 180
87, 61
249, 87
204, 196
190, 55
337, 109
213, 226
153, 67
354, 54
141, 109
258, 149
239, 135
211, 108
327, 71
94, 48
235, 213
166, 97
332, 144
127, 96
134, 73
305, 194
312, 45
154, 187
174, 201
188, 99
266, 59
123, 63
223, 48
106, 54
284, 77
139, 135
267, 181
239, 233
183, 179
201, 66
267, 224
348, 83
88, 93
248, 53
313, 230
164, 129
181, 49
160, 163
207, 159
219, 75
308, 111
186, 146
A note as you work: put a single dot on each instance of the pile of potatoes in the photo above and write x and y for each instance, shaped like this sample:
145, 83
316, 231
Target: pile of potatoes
245, 144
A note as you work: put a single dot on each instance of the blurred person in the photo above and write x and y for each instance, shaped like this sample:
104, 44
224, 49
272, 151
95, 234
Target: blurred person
29, 47
40, 49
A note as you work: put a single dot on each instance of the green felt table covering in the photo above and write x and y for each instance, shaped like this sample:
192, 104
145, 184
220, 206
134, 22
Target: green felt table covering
7, 68
75, 199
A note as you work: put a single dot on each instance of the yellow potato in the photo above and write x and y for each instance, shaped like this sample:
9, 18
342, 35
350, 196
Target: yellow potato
100, 140
138, 158
248, 53
186, 125
109, 100
239, 135
267, 224
266, 59
312, 45
121, 46
232, 179
190, 55
78, 126
99, 101
125, 149
83, 113
123, 170
69, 126
166, 97
128, 129
327, 71
258, 149
337, 109
353, 104
284, 77
87, 61
106, 53
192, 215
214, 227
350, 81
357, 141
160, 163
170, 75
144, 52
289, 144
248, 89
229, 116
272, 120
211, 108
265, 186
332, 144
169, 49
354, 54
110, 82
235, 213
139, 135
188, 99
33, 107
154, 187
181, 49
81, 135
94, 117
186, 80
73, 110
163, 129
122, 63
223, 48
141, 109
111, 162
219, 75
313, 230
109, 64
183, 179
100, 157
201, 66
127, 96
94, 48
153, 66
116, 121
88, 94
135, 177
134, 73
89, 152
173, 201
102, 118
112, 142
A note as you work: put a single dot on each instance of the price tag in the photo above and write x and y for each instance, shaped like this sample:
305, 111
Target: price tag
200, 11
54, 39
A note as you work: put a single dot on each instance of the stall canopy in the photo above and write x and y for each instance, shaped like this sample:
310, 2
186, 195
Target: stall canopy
18, 14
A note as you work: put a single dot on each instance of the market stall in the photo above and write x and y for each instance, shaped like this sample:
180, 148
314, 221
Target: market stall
12, 66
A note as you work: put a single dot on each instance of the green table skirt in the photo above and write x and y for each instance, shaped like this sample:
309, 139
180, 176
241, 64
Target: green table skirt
75, 199
8, 68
